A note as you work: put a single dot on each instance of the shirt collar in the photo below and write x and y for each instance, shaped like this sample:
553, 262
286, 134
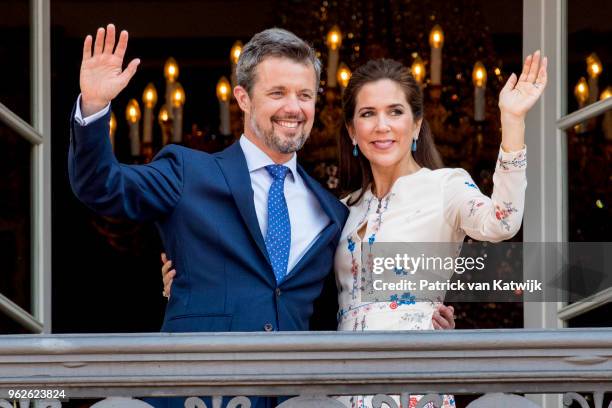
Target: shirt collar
257, 159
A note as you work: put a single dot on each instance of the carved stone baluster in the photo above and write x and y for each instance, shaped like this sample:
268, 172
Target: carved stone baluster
379, 399
598, 398
436, 399
500, 400
242, 402
405, 399
195, 402
312, 401
47, 403
121, 402
570, 397
25, 403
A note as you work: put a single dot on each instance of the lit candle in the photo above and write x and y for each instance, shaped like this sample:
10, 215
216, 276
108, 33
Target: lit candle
113, 128
163, 120
334, 40
171, 73
607, 120
234, 56
132, 114
594, 69
223, 94
479, 78
418, 70
581, 92
343, 76
149, 99
436, 41
178, 100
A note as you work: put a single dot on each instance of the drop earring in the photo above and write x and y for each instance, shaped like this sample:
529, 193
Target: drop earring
355, 150
414, 145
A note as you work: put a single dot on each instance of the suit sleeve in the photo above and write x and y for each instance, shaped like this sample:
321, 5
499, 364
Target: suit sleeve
138, 192
488, 219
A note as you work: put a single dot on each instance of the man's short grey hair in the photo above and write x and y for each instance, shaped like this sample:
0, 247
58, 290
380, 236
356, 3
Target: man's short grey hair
274, 42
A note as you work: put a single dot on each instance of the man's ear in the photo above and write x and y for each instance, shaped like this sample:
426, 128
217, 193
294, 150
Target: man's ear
243, 98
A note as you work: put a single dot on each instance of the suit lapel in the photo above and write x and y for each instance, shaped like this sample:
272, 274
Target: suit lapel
234, 168
329, 232
329, 203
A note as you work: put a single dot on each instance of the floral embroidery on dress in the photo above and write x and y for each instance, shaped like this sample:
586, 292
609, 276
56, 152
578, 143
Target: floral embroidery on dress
474, 205
471, 185
367, 285
405, 299
400, 271
518, 162
354, 266
503, 213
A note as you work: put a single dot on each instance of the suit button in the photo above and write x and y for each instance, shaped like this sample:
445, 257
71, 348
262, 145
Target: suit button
278, 292
268, 327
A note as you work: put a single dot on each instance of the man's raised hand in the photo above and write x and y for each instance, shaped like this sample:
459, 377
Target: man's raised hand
102, 77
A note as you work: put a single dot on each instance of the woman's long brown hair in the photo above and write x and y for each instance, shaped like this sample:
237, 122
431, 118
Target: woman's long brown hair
355, 172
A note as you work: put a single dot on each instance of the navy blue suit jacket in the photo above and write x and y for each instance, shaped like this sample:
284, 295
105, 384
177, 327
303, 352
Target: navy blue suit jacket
203, 207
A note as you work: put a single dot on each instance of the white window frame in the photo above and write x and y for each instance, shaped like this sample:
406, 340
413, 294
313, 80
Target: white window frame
546, 205
39, 135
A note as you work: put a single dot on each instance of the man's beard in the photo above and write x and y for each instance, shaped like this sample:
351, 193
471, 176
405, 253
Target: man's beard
277, 142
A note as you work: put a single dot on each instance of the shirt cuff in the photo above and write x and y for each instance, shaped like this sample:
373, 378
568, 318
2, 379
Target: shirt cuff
78, 116
509, 161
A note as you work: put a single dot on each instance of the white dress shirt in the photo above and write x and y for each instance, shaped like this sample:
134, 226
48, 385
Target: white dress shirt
305, 213
78, 115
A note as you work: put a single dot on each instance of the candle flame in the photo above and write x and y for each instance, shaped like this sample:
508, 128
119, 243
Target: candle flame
343, 75
581, 91
149, 96
334, 38
178, 96
223, 89
607, 93
418, 69
436, 37
171, 70
479, 75
163, 115
235, 52
594, 66
132, 111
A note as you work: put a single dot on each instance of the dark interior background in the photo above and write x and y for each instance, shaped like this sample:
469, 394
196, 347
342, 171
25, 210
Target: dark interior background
97, 288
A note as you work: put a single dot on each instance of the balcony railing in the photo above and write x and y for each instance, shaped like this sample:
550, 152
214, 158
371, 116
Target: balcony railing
313, 365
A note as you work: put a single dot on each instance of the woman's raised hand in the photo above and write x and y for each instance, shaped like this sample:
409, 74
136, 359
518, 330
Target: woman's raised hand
518, 96
102, 76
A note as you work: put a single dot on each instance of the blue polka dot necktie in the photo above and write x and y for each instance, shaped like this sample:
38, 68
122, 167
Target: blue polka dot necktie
278, 236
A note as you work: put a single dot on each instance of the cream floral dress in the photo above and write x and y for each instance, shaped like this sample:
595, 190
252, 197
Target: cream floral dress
441, 205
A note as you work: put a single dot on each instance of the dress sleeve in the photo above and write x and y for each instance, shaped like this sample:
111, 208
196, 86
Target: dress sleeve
488, 219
